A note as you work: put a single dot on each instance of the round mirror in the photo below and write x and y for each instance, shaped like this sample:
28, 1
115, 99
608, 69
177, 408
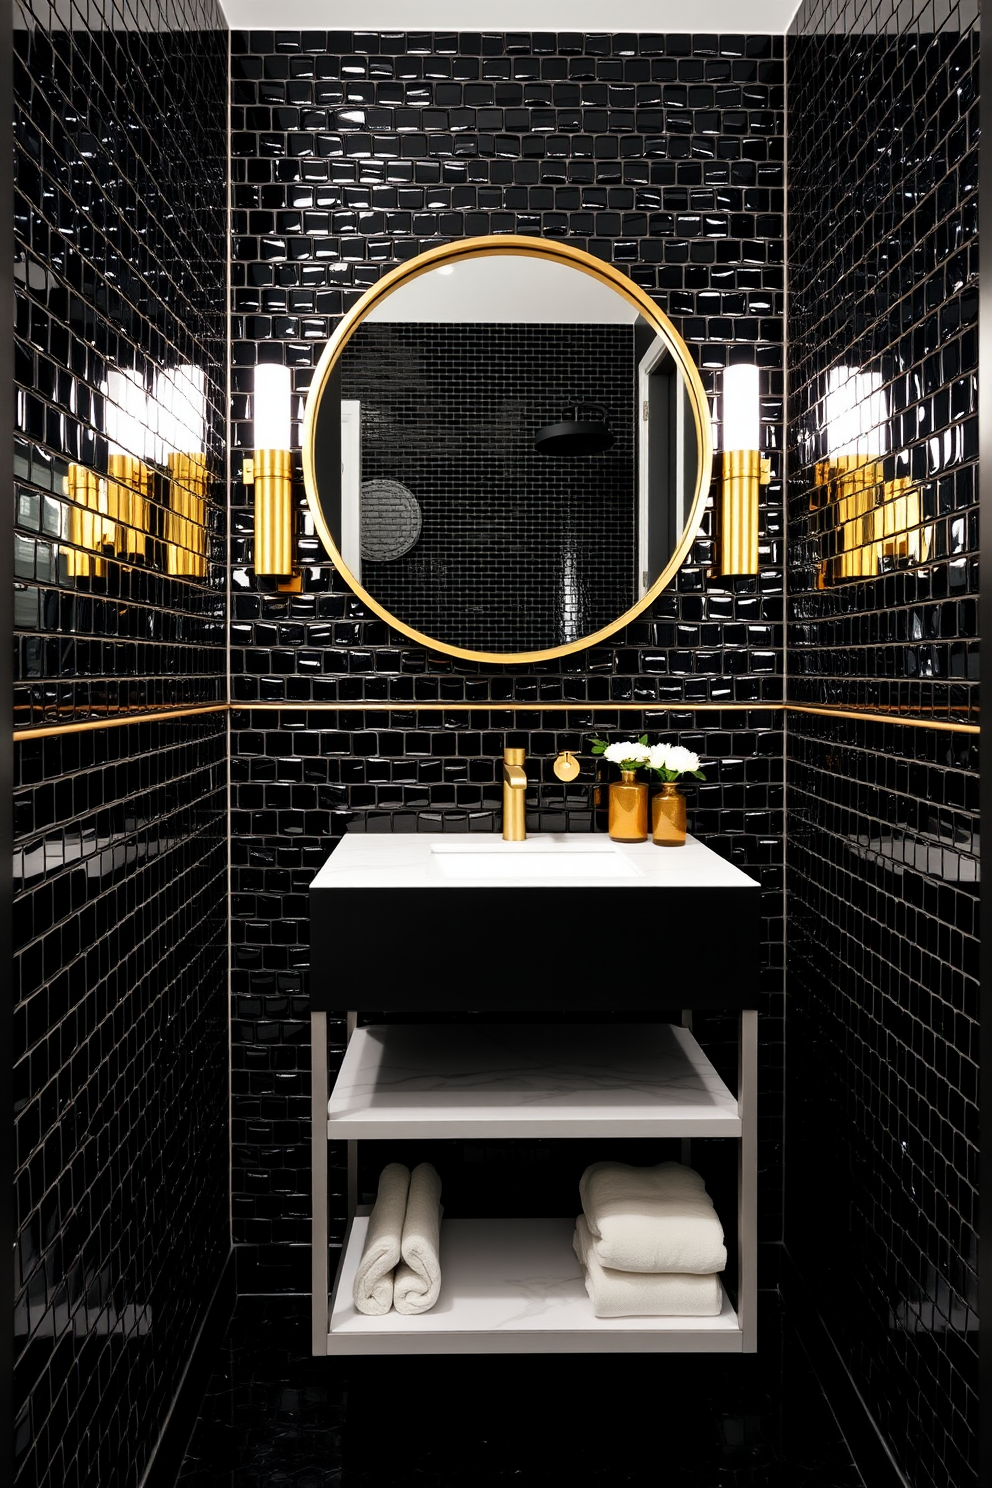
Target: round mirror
506, 449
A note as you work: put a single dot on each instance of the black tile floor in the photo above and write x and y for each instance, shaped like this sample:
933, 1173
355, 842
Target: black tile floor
273, 1417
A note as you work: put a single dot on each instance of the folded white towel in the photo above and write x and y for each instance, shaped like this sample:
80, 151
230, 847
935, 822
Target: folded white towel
418, 1277
641, 1294
652, 1219
373, 1290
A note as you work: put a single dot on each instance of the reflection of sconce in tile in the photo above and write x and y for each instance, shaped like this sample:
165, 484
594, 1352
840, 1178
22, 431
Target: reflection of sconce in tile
111, 514
87, 528
128, 489
180, 397
185, 526
744, 471
128, 477
866, 525
271, 474
114, 515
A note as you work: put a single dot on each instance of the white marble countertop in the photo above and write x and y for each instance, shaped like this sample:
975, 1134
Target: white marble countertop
565, 859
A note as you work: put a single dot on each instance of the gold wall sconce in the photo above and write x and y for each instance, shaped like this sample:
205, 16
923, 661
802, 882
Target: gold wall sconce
865, 525
744, 471
270, 472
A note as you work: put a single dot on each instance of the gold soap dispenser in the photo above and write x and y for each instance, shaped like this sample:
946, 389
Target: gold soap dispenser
514, 795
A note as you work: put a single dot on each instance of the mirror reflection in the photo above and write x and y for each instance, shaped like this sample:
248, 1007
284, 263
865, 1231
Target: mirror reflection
506, 454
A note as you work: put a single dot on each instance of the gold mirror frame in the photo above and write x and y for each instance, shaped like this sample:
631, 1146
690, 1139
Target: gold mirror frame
559, 253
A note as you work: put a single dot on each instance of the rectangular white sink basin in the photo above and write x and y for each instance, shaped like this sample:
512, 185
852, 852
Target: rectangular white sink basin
516, 862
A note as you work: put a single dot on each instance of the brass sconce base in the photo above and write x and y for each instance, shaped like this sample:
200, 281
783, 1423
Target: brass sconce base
744, 471
271, 474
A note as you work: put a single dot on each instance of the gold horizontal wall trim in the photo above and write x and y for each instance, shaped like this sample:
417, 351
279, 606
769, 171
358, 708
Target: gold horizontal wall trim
551, 707
904, 721
119, 720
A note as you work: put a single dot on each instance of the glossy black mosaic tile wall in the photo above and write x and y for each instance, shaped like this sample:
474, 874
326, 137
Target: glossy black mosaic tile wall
352, 151
883, 253
118, 548
120, 1049
882, 821
452, 412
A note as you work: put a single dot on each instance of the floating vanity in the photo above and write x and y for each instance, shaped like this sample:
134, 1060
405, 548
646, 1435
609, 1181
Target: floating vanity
556, 924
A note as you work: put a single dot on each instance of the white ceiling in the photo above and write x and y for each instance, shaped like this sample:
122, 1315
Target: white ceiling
754, 16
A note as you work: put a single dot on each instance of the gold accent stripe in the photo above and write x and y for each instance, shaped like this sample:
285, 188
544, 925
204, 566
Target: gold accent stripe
927, 723
551, 707
118, 721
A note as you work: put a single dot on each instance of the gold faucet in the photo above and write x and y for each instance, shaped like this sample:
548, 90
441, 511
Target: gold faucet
514, 796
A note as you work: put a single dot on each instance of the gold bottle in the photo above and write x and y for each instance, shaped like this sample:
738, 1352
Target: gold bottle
628, 808
668, 816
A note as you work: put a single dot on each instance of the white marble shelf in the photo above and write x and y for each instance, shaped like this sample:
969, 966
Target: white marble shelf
415, 1082
512, 1286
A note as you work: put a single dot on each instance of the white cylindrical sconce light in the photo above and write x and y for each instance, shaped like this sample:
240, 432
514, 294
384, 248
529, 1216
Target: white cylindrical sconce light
744, 471
271, 471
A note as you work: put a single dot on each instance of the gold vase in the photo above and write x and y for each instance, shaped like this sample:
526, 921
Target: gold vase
668, 816
629, 808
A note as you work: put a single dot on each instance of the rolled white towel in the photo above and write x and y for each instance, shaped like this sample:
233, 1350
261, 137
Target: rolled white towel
652, 1219
418, 1276
373, 1289
641, 1293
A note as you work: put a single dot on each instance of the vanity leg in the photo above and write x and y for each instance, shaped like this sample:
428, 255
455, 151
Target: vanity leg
747, 1181
318, 1156
351, 1025
687, 1141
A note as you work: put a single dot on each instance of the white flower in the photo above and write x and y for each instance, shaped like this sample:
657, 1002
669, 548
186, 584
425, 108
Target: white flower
658, 756
620, 754
681, 760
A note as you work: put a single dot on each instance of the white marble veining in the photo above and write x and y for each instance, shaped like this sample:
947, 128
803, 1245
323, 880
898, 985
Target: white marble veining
584, 859
512, 1286
548, 1080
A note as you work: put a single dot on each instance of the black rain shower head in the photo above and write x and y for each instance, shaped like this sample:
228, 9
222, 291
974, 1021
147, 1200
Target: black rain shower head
584, 430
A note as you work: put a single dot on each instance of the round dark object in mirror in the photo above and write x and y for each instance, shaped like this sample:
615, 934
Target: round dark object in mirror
584, 430
391, 520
